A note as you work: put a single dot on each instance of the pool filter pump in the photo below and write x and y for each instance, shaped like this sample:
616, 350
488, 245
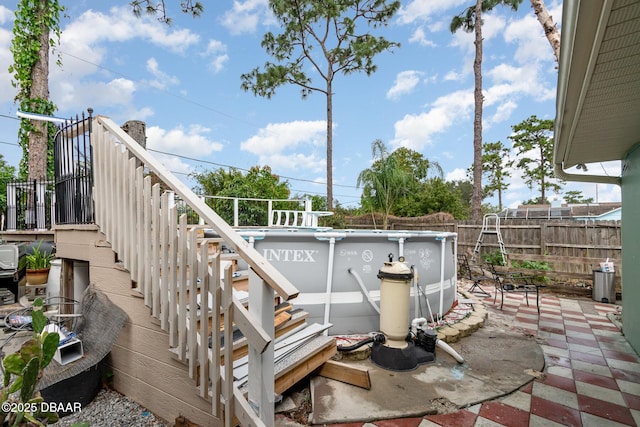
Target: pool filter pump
396, 353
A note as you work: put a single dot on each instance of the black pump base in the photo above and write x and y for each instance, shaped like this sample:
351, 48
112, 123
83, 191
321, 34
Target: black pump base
400, 359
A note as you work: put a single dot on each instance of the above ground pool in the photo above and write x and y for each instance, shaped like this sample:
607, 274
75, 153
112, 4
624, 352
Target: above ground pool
336, 271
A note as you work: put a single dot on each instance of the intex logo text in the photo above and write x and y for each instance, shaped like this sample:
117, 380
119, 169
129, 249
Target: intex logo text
290, 255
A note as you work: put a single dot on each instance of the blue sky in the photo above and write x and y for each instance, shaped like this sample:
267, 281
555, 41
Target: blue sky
183, 80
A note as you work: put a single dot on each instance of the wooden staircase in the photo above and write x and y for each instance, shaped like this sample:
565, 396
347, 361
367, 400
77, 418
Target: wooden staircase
173, 271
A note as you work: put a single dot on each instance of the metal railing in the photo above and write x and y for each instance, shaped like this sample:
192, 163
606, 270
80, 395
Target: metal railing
73, 171
30, 205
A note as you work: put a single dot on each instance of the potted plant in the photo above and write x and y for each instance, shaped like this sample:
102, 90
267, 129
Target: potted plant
38, 264
22, 405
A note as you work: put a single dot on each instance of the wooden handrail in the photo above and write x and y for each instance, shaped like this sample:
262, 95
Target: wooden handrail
163, 255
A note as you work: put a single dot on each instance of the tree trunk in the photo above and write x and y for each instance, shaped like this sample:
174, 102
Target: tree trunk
476, 197
38, 139
549, 27
329, 141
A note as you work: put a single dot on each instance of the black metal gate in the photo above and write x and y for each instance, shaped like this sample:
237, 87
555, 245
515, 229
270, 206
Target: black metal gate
73, 167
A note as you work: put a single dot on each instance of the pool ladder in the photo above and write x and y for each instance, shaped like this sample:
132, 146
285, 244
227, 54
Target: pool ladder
491, 226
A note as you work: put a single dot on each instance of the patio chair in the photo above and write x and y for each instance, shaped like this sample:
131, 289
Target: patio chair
464, 270
506, 281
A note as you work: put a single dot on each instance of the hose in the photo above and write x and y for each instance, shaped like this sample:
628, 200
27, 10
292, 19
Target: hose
443, 345
379, 338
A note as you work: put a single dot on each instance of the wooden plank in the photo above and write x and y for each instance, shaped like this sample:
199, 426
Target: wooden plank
350, 374
291, 373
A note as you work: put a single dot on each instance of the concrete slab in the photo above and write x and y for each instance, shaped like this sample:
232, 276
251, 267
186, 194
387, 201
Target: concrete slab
497, 362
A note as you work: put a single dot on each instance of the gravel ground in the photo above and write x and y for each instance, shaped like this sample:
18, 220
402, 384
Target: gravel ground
112, 409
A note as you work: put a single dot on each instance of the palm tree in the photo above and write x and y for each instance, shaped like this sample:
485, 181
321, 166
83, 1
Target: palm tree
471, 20
384, 182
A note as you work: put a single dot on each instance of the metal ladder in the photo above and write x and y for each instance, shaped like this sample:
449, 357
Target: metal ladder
491, 225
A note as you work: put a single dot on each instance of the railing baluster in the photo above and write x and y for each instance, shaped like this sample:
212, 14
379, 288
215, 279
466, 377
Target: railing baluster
146, 246
227, 310
139, 229
214, 361
164, 258
173, 275
155, 245
130, 219
203, 350
182, 296
193, 304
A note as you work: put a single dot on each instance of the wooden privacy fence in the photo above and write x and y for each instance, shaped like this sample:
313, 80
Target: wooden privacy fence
573, 249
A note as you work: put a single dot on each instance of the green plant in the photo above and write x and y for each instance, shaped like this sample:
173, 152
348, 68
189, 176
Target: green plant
38, 258
533, 265
20, 403
494, 258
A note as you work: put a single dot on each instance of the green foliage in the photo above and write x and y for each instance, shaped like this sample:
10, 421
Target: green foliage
494, 162
22, 371
467, 18
159, 9
533, 265
384, 182
576, 197
533, 142
258, 182
494, 258
7, 174
323, 39
32, 20
38, 258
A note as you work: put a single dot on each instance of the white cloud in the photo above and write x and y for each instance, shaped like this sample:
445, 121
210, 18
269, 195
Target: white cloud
527, 32
453, 76
7, 92
424, 10
503, 112
406, 82
280, 145
162, 80
217, 50
420, 37
89, 45
457, 174
70, 96
415, 131
245, 16
192, 142
121, 25
6, 15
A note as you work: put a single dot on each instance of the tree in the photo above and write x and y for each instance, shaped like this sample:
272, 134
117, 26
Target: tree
419, 169
258, 182
548, 26
416, 164
325, 35
383, 183
494, 161
438, 195
533, 142
575, 197
471, 20
159, 9
33, 24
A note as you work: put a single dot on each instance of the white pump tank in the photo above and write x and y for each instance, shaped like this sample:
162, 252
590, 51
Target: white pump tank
395, 287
